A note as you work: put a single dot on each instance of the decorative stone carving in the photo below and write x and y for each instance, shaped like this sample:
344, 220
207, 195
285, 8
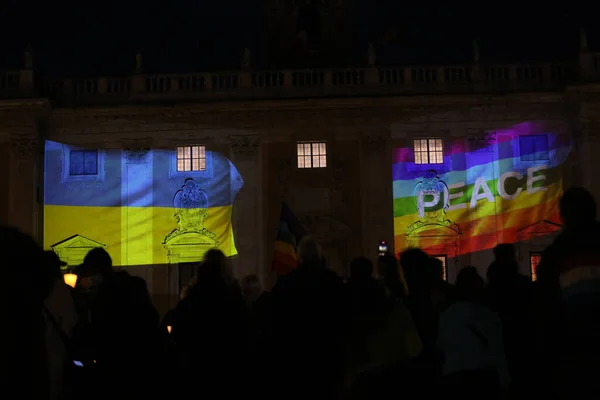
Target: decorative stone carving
25, 147
431, 185
191, 240
374, 143
136, 156
245, 146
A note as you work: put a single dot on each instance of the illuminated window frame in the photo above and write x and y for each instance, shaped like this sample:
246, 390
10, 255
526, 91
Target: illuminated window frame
534, 261
534, 141
444, 259
190, 158
428, 151
311, 154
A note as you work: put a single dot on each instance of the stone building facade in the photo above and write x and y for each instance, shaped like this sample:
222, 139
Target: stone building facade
360, 114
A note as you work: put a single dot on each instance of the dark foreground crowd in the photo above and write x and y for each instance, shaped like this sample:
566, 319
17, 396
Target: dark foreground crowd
394, 329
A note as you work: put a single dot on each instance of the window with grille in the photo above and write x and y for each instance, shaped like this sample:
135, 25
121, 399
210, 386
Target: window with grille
83, 162
429, 151
534, 261
534, 148
191, 158
444, 259
312, 154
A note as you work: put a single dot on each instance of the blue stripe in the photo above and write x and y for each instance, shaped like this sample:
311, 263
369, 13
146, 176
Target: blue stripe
462, 160
489, 171
136, 185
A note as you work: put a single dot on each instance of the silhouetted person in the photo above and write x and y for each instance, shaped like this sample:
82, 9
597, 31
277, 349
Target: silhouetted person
307, 326
510, 295
211, 332
415, 266
382, 337
95, 270
365, 294
127, 342
251, 288
23, 288
470, 336
441, 292
62, 316
568, 297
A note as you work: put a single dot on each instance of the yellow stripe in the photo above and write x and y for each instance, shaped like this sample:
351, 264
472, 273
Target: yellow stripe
484, 208
133, 235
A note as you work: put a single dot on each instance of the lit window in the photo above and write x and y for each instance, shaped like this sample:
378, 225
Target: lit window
191, 158
429, 151
444, 259
534, 148
83, 162
534, 261
312, 154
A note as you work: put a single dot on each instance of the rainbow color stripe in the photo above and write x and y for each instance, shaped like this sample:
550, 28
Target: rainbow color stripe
289, 234
477, 199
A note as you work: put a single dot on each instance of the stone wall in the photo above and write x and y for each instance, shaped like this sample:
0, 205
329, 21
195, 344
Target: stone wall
347, 206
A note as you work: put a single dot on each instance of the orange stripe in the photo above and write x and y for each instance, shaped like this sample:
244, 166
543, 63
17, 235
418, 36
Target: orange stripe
283, 264
285, 248
489, 234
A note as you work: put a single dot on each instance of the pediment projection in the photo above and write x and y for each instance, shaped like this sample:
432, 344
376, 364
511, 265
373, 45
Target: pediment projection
189, 246
73, 250
179, 238
540, 228
433, 229
76, 241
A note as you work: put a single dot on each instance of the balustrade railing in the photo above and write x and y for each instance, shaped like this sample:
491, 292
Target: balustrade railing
375, 80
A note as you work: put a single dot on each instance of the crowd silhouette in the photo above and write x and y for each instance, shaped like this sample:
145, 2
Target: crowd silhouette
395, 328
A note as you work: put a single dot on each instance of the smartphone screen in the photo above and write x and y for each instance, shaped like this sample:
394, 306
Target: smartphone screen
78, 363
383, 247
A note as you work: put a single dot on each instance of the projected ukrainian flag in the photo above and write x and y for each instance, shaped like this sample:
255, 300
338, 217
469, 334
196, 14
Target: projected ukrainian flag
476, 198
145, 207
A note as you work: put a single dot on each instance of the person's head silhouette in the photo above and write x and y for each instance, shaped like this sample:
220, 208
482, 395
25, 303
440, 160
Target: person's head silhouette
577, 207
99, 260
310, 252
470, 285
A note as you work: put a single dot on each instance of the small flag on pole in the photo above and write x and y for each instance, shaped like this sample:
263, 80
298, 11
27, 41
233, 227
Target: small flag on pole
289, 234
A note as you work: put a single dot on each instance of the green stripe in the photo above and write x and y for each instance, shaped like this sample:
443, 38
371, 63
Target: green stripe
408, 205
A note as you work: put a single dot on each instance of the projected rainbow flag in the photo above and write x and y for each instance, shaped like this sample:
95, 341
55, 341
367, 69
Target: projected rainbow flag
473, 200
138, 204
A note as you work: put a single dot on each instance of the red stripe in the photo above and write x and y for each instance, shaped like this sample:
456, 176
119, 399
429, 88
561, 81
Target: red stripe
284, 263
468, 244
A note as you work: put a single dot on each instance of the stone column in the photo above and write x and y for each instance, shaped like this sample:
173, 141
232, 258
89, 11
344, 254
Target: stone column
376, 184
23, 211
247, 210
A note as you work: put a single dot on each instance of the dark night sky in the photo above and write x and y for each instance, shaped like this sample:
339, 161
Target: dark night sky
101, 37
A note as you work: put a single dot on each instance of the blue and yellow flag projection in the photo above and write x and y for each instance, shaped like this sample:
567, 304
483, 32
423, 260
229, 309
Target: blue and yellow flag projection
145, 207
